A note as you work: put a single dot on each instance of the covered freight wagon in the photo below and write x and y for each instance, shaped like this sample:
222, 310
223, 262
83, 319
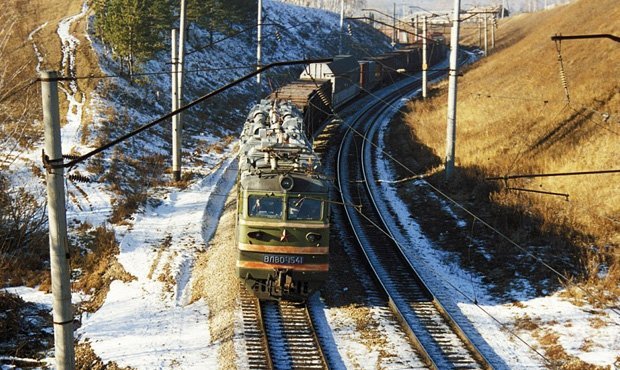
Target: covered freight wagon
343, 72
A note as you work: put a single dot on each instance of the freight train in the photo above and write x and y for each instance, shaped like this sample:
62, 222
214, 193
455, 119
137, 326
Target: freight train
282, 232
282, 206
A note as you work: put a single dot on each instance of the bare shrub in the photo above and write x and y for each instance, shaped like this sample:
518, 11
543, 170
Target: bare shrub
87, 359
132, 190
23, 235
22, 329
98, 264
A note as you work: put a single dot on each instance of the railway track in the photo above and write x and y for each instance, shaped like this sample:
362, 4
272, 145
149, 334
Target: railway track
433, 332
257, 347
280, 335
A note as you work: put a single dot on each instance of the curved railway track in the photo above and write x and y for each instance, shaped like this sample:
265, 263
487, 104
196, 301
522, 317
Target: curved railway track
433, 332
280, 335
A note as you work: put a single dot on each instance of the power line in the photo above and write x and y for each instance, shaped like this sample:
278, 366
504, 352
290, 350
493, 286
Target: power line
458, 290
526, 176
122, 75
60, 163
580, 37
466, 210
454, 202
17, 90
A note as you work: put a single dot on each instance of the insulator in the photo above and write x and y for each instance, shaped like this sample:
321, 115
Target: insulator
349, 30
70, 157
278, 36
563, 78
324, 98
79, 178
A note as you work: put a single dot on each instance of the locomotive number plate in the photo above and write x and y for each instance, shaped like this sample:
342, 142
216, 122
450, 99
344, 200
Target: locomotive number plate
288, 260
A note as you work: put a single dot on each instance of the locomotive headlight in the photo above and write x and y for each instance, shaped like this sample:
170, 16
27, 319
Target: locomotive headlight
313, 237
256, 234
286, 183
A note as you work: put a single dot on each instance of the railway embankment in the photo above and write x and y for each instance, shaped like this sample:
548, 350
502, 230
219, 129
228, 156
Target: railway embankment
522, 112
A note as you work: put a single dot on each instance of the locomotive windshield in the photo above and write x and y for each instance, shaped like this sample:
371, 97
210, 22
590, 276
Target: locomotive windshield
304, 209
264, 206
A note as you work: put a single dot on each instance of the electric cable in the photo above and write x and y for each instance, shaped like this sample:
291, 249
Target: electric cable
458, 290
466, 210
9, 94
474, 217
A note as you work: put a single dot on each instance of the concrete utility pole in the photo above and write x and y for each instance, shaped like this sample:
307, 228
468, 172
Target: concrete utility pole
59, 247
493, 27
258, 51
176, 129
394, 27
416, 28
479, 31
486, 34
341, 26
178, 132
424, 58
451, 121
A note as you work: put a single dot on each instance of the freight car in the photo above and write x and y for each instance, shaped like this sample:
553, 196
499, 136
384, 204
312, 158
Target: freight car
312, 98
343, 73
349, 77
282, 206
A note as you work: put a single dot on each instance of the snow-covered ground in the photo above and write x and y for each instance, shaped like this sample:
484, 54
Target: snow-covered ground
150, 322
590, 334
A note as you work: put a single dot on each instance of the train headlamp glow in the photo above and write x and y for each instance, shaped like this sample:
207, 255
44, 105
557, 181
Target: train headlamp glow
313, 237
286, 183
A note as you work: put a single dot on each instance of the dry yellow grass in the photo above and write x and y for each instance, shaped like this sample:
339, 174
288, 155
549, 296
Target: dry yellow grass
513, 118
19, 19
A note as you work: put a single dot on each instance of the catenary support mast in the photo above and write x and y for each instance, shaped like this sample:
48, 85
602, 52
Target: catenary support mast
59, 247
451, 115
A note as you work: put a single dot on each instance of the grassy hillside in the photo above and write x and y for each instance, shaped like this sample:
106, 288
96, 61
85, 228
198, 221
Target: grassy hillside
513, 117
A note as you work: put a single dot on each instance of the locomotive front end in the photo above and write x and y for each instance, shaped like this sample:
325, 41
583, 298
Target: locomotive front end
283, 236
282, 207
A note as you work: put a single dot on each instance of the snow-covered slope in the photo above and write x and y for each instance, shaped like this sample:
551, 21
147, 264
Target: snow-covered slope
149, 322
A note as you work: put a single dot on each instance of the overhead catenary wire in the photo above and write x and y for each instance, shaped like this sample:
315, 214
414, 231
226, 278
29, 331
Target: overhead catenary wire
502, 235
479, 219
359, 210
473, 300
181, 109
556, 174
486, 224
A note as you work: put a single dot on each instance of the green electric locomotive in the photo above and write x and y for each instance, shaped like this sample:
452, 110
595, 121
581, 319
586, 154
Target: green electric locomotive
282, 206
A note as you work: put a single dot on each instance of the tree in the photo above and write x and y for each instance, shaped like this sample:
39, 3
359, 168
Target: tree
134, 29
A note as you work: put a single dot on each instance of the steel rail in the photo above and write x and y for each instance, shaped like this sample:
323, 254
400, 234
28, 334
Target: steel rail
257, 347
293, 342
433, 360
426, 358
366, 164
